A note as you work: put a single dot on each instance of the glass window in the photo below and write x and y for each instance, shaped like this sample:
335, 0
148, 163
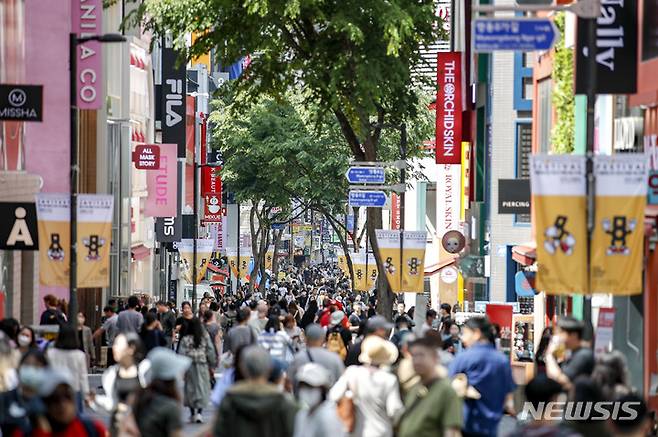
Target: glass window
527, 88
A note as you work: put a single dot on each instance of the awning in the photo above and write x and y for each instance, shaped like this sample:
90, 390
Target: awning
526, 255
436, 268
140, 252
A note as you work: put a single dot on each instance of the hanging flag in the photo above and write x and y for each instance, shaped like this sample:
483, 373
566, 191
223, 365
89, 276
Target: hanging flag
359, 265
558, 199
232, 258
371, 272
413, 261
204, 249
53, 215
389, 249
618, 237
94, 239
269, 258
342, 261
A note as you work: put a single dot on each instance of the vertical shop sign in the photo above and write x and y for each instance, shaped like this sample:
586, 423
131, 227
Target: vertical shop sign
617, 249
162, 185
449, 108
174, 89
87, 18
558, 195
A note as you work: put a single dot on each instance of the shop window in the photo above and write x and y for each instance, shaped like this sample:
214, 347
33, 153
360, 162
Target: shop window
523, 82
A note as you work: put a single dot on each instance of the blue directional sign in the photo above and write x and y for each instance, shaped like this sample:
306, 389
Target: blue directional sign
367, 198
365, 175
518, 34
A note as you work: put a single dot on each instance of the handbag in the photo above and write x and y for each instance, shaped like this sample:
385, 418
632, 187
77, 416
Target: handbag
346, 409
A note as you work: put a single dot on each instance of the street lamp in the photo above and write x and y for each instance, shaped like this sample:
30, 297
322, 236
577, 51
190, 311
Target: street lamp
74, 41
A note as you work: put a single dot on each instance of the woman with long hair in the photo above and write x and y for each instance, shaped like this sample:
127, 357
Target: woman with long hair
66, 354
122, 380
151, 334
309, 315
195, 343
26, 340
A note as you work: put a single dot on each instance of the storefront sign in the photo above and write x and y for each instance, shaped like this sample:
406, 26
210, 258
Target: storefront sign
395, 211
448, 198
174, 89
147, 157
449, 108
513, 196
87, 16
162, 185
604, 331
211, 187
616, 49
558, 197
21, 102
170, 229
617, 249
501, 315
18, 226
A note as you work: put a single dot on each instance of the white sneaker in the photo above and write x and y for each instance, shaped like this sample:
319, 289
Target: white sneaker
198, 418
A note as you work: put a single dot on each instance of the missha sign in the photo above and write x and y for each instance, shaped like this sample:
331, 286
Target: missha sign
87, 18
448, 108
616, 49
21, 102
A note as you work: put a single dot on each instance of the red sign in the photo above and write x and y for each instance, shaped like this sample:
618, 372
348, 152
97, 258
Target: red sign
395, 211
449, 108
211, 187
501, 315
147, 157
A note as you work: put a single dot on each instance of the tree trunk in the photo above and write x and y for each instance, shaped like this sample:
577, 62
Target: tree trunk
335, 224
265, 243
275, 260
384, 295
254, 244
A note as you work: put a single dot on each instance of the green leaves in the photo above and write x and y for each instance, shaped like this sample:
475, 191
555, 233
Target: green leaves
563, 133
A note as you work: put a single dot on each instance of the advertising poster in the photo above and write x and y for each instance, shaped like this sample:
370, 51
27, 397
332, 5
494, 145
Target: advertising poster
389, 249
53, 215
406, 274
604, 331
501, 315
558, 197
360, 275
94, 239
618, 239
162, 185
204, 249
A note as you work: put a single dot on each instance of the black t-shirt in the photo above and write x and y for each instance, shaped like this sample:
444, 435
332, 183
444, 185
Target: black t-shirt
183, 323
580, 363
52, 317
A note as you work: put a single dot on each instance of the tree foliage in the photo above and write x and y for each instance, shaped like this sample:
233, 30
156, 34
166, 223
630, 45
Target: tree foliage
563, 134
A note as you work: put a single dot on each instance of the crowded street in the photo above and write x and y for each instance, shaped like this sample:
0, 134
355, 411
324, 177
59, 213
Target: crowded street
328, 218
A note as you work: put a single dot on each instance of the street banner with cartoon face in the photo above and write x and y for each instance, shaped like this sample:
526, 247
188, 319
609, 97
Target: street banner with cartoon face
559, 208
360, 275
53, 215
404, 274
94, 238
204, 248
342, 261
618, 237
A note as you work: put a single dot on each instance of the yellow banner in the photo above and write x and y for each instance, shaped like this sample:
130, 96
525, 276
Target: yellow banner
53, 213
186, 250
269, 258
94, 237
618, 239
389, 250
408, 274
244, 260
365, 272
559, 203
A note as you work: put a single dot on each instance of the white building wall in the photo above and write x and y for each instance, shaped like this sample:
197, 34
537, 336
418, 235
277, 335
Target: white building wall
503, 230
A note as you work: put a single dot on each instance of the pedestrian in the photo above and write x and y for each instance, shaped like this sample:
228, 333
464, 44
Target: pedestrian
445, 320
610, 374
294, 332
151, 334
339, 338
275, 340
402, 329
318, 416
489, 371
539, 392
258, 325
167, 322
122, 380
253, 406
428, 325
130, 320
580, 362
158, 408
356, 317
110, 329
212, 327
85, 339
309, 315
372, 390
60, 417
26, 340
432, 408
66, 355
195, 343
183, 320
315, 353
51, 315
376, 326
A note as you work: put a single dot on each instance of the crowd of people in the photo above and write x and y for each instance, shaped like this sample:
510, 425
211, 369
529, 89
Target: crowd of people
305, 357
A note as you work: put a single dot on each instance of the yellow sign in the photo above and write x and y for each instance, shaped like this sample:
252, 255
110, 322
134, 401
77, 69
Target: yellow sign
186, 250
269, 258
558, 199
618, 239
53, 213
465, 178
94, 237
244, 260
342, 262
365, 271
412, 265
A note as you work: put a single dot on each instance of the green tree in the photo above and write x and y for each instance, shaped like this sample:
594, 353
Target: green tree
352, 58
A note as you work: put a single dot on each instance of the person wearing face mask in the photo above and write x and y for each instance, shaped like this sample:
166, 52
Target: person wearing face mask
318, 417
26, 340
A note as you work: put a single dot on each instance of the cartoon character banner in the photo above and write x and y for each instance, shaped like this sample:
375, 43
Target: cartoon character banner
406, 274
54, 215
342, 261
243, 261
94, 239
204, 248
559, 208
618, 237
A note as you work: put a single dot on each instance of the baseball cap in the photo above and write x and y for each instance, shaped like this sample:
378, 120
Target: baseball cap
167, 365
378, 322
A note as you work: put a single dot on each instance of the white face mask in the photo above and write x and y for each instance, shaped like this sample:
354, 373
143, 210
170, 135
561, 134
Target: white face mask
24, 340
310, 396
